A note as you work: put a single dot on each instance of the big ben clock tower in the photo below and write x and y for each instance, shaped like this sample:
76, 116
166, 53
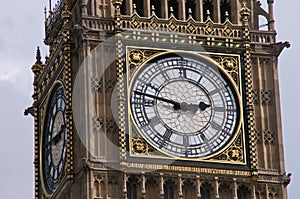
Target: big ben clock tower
148, 99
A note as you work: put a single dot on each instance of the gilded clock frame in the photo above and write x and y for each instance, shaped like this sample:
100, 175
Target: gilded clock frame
234, 152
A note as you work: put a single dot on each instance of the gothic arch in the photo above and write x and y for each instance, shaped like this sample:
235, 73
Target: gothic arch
131, 190
225, 190
96, 188
206, 191
151, 185
169, 189
99, 187
243, 192
189, 189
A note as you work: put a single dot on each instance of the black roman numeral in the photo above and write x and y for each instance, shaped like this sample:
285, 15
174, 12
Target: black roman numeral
166, 137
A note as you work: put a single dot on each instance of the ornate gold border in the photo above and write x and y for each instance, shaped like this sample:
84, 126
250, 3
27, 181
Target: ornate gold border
203, 170
203, 55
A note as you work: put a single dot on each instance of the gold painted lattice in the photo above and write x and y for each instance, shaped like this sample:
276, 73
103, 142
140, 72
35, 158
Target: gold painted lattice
136, 57
234, 153
229, 64
141, 147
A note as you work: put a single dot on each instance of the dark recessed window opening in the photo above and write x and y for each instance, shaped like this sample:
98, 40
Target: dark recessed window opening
174, 5
123, 8
208, 9
225, 10
157, 7
139, 7
190, 5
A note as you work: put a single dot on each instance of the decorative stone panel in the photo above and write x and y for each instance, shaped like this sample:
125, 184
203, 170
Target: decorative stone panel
255, 96
96, 84
97, 123
266, 97
269, 137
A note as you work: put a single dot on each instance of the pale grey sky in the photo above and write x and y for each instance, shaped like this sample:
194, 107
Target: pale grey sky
22, 29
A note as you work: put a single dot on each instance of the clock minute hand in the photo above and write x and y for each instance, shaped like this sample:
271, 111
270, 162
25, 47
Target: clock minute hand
176, 105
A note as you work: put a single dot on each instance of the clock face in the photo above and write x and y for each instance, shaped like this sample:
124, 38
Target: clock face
184, 106
54, 139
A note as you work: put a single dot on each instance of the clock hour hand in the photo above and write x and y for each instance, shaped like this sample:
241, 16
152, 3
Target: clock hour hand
194, 107
176, 105
57, 137
203, 106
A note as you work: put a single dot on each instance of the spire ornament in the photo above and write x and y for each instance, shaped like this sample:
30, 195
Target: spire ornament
190, 12
245, 11
117, 2
171, 11
38, 56
208, 15
152, 9
36, 68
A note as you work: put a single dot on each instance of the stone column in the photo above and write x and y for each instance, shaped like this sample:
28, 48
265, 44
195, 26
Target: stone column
84, 7
181, 11
93, 7
199, 10
235, 189
164, 9
217, 187
271, 15
217, 12
147, 8
198, 187
143, 189
125, 179
161, 186
180, 183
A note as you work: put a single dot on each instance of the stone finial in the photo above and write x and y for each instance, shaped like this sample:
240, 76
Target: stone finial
66, 14
190, 13
134, 8
171, 11
117, 2
45, 14
208, 14
38, 56
152, 9
226, 15
38, 63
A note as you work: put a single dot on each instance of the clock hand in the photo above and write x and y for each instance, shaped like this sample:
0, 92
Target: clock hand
194, 107
165, 106
57, 137
203, 106
176, 105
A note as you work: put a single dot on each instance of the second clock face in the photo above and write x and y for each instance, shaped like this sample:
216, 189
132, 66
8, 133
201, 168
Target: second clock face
184, 105
54, 139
